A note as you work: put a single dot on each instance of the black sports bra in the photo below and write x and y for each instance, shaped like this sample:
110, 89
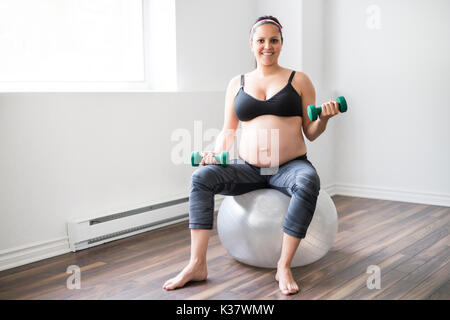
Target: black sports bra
286, 103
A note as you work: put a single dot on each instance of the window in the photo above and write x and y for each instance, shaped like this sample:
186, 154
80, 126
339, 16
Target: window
82, 45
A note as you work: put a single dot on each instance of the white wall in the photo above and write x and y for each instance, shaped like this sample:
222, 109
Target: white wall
212, 42
394, 140
76, 156
320, 151
72, 156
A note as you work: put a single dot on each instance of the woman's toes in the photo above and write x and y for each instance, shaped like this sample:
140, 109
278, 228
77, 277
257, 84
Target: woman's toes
284, 289
169, 285
294, 289
289, 288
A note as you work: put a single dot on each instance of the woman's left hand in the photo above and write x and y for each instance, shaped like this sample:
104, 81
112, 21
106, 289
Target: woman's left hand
329, 109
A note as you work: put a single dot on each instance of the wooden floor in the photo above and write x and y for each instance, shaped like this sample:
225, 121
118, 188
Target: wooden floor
409, 242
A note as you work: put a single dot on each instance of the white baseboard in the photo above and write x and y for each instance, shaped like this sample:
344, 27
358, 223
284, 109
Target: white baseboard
22, 255
351, 190
19, 256
437, 199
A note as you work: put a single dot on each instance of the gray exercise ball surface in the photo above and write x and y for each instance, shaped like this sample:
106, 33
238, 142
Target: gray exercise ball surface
250, 227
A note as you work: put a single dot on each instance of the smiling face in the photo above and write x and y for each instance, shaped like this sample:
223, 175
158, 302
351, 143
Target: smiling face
266, 44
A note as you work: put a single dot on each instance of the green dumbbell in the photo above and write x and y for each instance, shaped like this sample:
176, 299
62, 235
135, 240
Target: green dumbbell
313, 111
221, 159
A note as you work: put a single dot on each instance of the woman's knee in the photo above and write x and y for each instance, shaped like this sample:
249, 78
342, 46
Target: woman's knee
307, 180
206, 176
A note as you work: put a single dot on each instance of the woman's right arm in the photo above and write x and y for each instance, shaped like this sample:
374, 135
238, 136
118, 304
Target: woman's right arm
226, 137
225, 140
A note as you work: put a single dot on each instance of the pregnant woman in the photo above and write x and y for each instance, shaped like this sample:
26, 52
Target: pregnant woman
271, 103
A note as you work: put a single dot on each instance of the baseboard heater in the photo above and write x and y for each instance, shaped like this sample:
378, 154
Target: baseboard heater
89, 233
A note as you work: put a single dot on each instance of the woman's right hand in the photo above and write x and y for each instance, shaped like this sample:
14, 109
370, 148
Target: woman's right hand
208, 158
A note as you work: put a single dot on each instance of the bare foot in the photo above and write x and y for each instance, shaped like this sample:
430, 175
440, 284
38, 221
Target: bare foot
192, 272
285, 280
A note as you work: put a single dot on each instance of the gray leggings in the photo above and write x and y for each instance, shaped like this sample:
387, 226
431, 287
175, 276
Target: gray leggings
296, 178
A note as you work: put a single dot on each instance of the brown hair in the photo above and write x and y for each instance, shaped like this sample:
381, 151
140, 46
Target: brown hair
268, 18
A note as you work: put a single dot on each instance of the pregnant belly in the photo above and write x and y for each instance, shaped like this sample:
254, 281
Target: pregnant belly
270, 141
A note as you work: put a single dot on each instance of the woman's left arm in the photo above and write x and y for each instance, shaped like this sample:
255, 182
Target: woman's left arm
313, 129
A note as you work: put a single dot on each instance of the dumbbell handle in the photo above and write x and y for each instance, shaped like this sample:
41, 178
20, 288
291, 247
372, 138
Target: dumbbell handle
314, 112
222, 158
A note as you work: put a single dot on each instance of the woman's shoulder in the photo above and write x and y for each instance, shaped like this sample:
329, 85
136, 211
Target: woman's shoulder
234, 85
235, 82
301, 83
301, 79
299, 75
236, 78
287, 72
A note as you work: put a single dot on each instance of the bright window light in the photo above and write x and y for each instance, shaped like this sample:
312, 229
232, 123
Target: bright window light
74, 41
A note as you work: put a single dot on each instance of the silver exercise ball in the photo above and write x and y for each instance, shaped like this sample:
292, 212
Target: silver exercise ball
250, 227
